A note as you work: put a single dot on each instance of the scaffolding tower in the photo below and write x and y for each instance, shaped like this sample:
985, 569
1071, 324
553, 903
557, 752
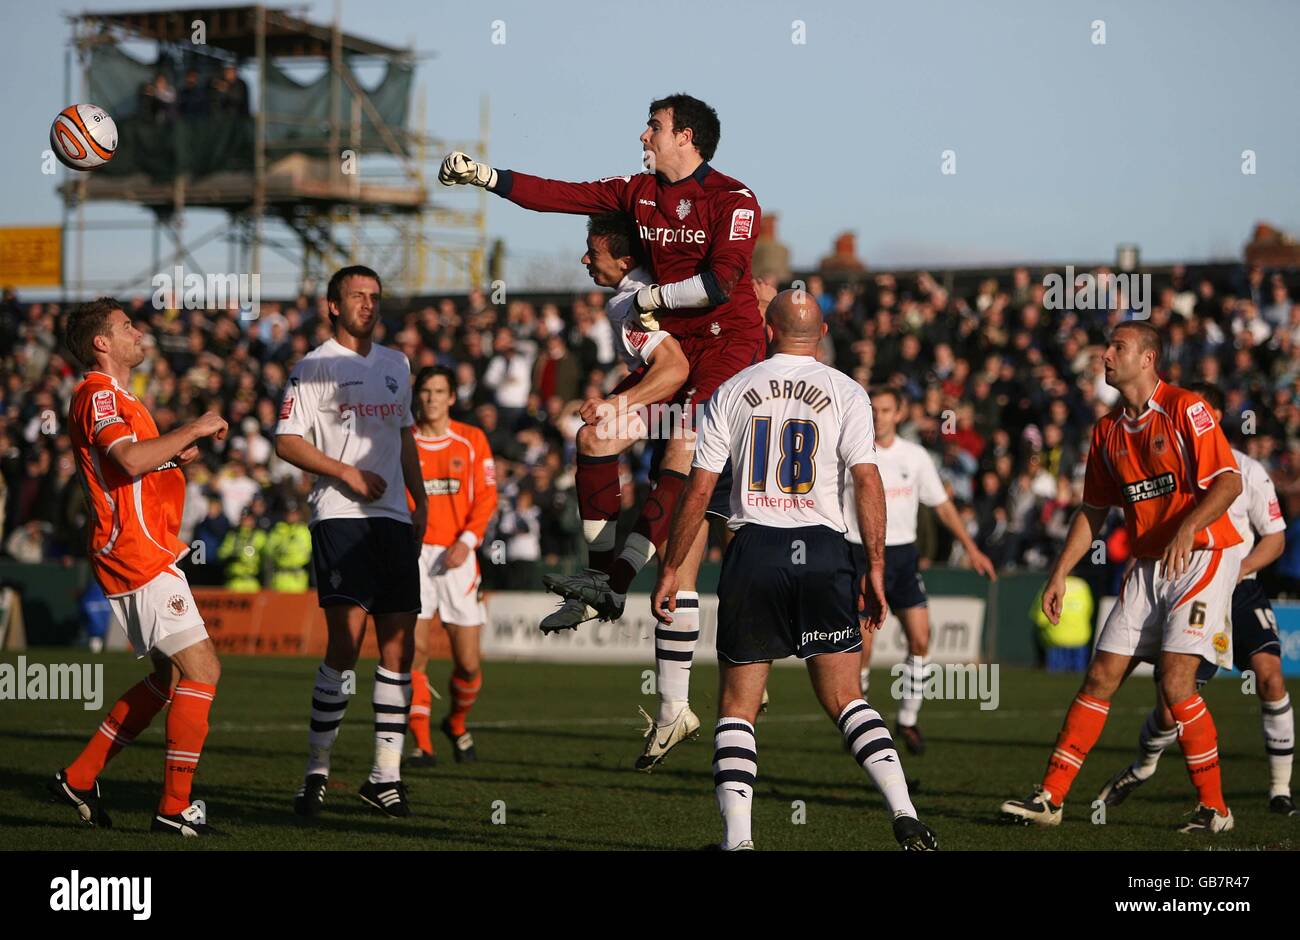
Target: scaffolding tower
298, 200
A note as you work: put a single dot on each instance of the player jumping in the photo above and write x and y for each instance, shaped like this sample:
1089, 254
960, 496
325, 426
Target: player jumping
346, 417
1255, 643
460, 480
697, 228
790, 426
136, 492
1161, 456
909, 479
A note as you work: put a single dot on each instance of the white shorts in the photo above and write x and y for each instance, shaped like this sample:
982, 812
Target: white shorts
452, 595
1187, 614
161, 616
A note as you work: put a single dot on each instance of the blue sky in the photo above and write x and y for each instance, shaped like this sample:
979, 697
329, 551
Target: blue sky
1063, 148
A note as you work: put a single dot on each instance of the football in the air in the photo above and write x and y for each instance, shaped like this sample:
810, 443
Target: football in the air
83, 136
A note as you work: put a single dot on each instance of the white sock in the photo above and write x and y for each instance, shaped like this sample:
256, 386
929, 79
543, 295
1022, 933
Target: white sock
735, 768
392, 702
674, 651
1151, 744
328, 703
1279, 742
637, 551
871, 746
914, 680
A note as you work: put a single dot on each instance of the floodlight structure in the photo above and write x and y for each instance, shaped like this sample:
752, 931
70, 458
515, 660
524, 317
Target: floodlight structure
322, 172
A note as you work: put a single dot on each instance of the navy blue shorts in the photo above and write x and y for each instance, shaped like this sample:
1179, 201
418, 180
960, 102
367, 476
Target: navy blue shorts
720, 501
373, 563
903, 585
786, 592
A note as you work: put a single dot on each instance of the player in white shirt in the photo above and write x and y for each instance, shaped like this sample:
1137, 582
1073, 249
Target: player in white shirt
658, 368
910, 478
1256, 646
346, 417
791, 428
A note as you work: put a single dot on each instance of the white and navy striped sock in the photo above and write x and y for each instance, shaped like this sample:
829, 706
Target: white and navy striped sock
871, 746
328, 703
913, 690
392, 702
1151, 744
735, 768
674, 651
1279, 742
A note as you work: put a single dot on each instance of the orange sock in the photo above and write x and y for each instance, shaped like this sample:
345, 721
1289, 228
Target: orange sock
1200, 743
129, 716
464, 693
421, 705
1083, 724
187, 727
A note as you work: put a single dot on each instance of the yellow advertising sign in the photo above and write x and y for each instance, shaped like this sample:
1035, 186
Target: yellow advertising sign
30, 256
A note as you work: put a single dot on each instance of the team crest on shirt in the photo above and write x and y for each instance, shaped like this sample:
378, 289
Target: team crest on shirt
457, 465
1220, 641
1159, 445
105, 403
714, 328
391, 383
683, 208
177, 605
1199, 414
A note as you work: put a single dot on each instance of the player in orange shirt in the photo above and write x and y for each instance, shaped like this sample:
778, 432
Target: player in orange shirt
136, 491
1163, 458
460, 480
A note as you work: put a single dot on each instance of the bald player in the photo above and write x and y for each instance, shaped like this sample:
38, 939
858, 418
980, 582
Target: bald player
791, 427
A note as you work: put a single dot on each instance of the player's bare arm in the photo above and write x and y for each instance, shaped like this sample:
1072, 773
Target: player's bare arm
947, 514
414, 481
1084, 528
137, 457
869, 504
305, 455
682, 535
1267, 550
668, 370
1225, 488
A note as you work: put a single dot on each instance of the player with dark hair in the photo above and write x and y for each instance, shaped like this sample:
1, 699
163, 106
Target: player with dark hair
697, 229
136, 492
910, 479
1255, 642
460, 481
346, 417
1162, 457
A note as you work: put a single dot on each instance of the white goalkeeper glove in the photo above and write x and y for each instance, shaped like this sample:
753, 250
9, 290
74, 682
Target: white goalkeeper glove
459, 168
648, 300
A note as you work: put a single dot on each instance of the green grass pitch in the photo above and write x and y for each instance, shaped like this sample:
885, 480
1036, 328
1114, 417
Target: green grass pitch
556, 746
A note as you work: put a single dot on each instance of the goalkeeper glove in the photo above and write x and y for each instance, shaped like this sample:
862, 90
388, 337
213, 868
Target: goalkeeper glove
648, 300
459, 168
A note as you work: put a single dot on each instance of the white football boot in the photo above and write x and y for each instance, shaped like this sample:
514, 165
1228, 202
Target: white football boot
660, 739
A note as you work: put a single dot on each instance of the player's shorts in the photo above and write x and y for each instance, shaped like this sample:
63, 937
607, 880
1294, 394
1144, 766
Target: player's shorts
451, 594
713, 360
1185, 614
904, 588
1254, 628
786, 592
161, 616
368, 562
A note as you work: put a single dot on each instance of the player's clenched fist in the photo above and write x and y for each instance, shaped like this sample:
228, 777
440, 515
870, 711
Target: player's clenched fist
458, 168
646, 301
211, 424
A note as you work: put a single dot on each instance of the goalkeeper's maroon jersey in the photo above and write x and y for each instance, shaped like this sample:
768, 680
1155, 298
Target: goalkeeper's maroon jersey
705, 224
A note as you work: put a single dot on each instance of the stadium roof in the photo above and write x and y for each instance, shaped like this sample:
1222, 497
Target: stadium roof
234, 29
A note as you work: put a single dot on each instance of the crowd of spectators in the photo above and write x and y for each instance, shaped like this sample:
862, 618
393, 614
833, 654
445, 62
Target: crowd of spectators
160, 101
1001, 390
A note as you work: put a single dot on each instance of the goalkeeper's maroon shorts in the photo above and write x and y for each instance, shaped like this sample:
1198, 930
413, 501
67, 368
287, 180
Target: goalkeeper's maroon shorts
714, 359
